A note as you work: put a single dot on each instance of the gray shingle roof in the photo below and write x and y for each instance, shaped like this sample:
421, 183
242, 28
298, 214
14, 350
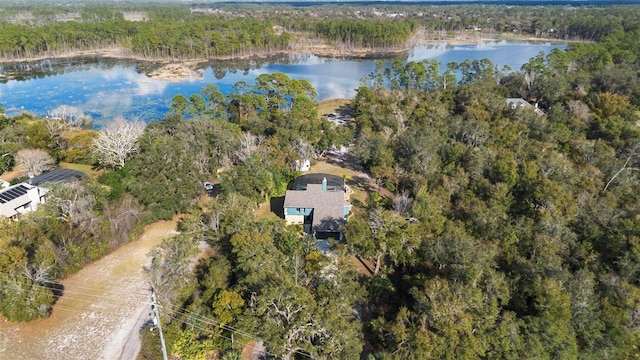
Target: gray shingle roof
328, 206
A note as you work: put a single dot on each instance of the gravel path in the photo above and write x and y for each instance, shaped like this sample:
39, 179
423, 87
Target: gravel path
101, 312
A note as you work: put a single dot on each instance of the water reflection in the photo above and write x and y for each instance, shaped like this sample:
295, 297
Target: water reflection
107, 88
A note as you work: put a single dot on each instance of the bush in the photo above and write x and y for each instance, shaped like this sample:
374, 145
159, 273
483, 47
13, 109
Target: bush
19, 180
22, 300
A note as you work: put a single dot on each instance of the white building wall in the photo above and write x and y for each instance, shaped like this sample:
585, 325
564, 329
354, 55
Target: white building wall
294, 219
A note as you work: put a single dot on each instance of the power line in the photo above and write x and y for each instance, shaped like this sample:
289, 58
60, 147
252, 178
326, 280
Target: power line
171, 308
214, 322
157, 322
115, 323
43, 289
64, 291
211, 321
111, 286
204, 329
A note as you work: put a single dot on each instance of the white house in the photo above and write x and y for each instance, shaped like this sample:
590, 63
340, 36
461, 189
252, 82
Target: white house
20, 198
515, 103
25, 197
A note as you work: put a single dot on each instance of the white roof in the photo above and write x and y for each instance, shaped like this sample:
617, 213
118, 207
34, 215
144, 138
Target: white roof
14, 198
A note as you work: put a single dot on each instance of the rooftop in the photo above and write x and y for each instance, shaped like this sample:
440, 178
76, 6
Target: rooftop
12, 193
334, 182
328, 206
20, 198
56, 176
522, 103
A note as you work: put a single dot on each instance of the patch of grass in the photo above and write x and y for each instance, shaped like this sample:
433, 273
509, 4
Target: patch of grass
327, 168
264, 211
359, 196
78, 167
332, 106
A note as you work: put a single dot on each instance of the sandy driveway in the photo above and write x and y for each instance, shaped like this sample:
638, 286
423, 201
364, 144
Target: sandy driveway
100, 313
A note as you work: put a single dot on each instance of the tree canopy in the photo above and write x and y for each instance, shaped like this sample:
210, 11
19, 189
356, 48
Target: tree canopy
492, 231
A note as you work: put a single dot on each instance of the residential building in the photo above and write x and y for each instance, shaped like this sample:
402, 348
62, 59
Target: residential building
25, 197
319, 202
19, 199
520, 103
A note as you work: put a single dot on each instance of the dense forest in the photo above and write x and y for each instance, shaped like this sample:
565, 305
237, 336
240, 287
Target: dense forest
180, 32
524, 238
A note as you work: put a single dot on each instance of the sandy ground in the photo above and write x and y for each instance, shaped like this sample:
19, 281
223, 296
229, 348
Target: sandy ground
10, 175
178, 72
101, 312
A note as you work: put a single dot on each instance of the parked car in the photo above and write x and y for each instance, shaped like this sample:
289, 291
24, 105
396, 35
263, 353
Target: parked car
208, 186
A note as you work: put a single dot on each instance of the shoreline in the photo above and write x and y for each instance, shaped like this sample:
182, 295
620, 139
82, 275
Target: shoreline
324, 50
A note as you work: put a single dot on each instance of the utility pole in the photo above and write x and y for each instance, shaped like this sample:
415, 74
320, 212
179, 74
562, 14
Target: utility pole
156, 322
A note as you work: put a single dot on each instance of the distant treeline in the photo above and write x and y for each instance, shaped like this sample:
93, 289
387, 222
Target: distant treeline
201, 37
169, 31
366, 33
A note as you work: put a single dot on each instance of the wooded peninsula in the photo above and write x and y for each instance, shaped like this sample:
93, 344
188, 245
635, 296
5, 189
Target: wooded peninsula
178, 32
494, 214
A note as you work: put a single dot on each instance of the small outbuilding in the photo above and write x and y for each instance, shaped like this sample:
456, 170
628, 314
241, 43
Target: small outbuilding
303, 165
520, 103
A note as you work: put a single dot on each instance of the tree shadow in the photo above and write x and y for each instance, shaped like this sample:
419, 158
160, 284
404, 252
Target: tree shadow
346, 110
215, 191
344, 160
57, 289
277, 206
363, 183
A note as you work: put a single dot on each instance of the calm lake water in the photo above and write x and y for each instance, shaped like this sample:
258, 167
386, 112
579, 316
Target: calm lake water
107, 88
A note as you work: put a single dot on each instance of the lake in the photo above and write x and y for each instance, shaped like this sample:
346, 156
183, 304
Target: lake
105, 88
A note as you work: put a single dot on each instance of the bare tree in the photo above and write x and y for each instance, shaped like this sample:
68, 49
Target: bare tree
34, 161
579, 110
68, 114
40, 273
202, 161
402, 203
74, 203
117, 141
249, 143
123, 216
628, 164
303, 148
55, 127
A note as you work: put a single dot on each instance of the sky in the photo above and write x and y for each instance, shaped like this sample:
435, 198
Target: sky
520, 2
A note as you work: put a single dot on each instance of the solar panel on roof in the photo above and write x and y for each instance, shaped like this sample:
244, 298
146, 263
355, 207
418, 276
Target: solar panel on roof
13, 193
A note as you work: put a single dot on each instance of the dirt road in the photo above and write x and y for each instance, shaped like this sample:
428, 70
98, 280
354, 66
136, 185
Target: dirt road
102, 309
